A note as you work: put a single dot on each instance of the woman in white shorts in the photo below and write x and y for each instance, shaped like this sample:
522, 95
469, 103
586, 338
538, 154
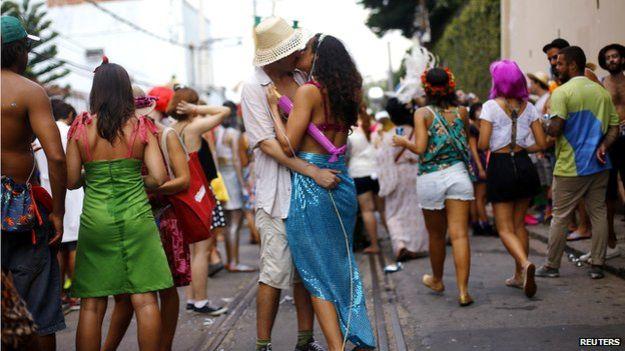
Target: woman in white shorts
444, 187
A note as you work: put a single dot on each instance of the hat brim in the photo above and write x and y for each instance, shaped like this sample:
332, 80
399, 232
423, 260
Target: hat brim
144, 111
33, 37
618, 47
295, 42
532, 76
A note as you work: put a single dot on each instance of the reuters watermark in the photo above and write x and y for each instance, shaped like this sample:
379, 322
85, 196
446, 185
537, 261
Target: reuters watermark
597, 342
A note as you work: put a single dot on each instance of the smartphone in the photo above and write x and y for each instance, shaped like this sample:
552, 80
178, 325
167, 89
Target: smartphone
399, 131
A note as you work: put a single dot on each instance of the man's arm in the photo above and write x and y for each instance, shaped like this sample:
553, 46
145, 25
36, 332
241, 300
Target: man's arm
42, 123
325, 178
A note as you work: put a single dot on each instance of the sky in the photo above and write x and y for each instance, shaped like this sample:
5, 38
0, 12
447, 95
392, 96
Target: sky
344, 19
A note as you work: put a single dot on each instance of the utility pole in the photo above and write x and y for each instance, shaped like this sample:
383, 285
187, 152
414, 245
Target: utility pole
199, 52
389, 82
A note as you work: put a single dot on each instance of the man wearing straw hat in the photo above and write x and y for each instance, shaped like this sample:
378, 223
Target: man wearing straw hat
277, 49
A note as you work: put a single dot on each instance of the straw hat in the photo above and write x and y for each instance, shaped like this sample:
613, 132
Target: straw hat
541, 77
275, 39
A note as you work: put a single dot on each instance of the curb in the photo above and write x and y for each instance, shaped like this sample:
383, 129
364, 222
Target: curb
618, 271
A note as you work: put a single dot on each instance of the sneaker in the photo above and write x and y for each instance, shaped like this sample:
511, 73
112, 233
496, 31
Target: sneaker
595, 272
585, 257
190, 306
213, 311
547, 272
311, 346
264, 348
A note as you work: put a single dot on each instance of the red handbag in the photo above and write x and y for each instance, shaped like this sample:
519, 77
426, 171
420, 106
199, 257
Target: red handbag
194, 206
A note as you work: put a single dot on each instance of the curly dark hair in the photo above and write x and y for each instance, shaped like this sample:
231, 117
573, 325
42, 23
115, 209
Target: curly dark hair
112, 100
336, 71
473, 110
438, 77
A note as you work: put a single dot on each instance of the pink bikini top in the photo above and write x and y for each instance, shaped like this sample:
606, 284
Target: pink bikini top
316, 131
78, 131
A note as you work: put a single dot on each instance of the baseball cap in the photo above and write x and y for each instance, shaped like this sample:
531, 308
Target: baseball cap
12, 30
556, 43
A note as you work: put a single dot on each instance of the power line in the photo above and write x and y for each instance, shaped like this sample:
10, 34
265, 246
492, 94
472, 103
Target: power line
138, 28
87, 69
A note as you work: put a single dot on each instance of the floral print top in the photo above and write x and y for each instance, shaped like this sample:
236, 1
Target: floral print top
441, 152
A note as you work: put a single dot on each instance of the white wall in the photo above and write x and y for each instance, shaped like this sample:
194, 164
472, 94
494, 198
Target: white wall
527, 25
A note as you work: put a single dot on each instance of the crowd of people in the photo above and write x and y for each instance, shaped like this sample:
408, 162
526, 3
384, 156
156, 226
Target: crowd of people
132, 198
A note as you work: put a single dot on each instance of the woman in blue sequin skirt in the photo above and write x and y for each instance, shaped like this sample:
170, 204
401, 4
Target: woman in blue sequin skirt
321, 222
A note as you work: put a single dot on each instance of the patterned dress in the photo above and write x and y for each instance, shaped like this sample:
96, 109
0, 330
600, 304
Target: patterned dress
397, 178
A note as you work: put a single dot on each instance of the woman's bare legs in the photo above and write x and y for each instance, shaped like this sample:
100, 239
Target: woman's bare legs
329, 323
458, 226
235, 217
480, 202
436, 224
506, 219
199, 270
170, 303
149, 325
89, 330
380, 207
120, 320
251, 225
367, 207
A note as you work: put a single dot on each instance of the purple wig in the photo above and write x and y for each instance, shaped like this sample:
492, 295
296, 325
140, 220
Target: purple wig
508, 80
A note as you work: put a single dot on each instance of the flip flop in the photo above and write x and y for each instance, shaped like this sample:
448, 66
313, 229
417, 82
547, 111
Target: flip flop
529, 284
514, 283
574, 236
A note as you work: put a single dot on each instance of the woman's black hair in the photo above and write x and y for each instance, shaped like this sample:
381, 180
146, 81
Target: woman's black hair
437, 77
335, 69
473, 110
62, 110
111, 100
399, 112
231, 121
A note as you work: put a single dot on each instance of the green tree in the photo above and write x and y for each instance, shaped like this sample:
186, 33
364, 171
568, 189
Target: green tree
43, 66
470, 43
401, 14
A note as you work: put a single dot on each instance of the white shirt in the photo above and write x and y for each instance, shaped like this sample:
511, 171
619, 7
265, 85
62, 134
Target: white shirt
73, 198
273, 181
502, 125
540, 103
362, 155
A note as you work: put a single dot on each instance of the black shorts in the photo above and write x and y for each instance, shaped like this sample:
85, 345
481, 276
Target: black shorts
509, 179
69, 246
36, 274
617, 157
366, 184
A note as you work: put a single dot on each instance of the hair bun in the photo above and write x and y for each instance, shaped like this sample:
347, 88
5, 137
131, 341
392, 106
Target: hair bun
105, 59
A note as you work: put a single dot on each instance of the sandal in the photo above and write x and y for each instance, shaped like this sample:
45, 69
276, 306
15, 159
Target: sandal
240, 268
428, 281
529, 284
574, 236
514, 282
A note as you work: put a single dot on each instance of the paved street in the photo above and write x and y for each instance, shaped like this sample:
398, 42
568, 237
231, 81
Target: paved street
406, 316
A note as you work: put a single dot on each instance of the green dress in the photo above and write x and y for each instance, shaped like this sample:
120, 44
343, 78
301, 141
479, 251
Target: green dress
119, 248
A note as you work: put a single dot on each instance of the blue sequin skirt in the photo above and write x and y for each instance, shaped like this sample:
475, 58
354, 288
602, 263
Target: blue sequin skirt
321, 253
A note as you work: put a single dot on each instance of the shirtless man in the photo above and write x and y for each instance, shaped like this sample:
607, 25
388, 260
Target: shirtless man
612, 59
26, 113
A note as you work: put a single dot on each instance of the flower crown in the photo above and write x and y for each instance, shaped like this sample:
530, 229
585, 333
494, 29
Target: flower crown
439, 90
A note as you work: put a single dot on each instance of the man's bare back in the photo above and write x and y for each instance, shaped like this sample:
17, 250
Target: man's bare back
17, 134
615, 84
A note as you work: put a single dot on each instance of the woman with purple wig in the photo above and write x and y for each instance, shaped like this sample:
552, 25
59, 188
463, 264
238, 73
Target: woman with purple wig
510, 128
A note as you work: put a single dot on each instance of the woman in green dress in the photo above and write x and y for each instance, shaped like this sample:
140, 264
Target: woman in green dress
119, 249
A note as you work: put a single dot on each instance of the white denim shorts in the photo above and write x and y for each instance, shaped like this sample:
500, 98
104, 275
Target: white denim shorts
452, 183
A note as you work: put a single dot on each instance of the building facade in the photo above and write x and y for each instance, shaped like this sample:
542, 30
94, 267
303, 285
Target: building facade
527, 25
157, 41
